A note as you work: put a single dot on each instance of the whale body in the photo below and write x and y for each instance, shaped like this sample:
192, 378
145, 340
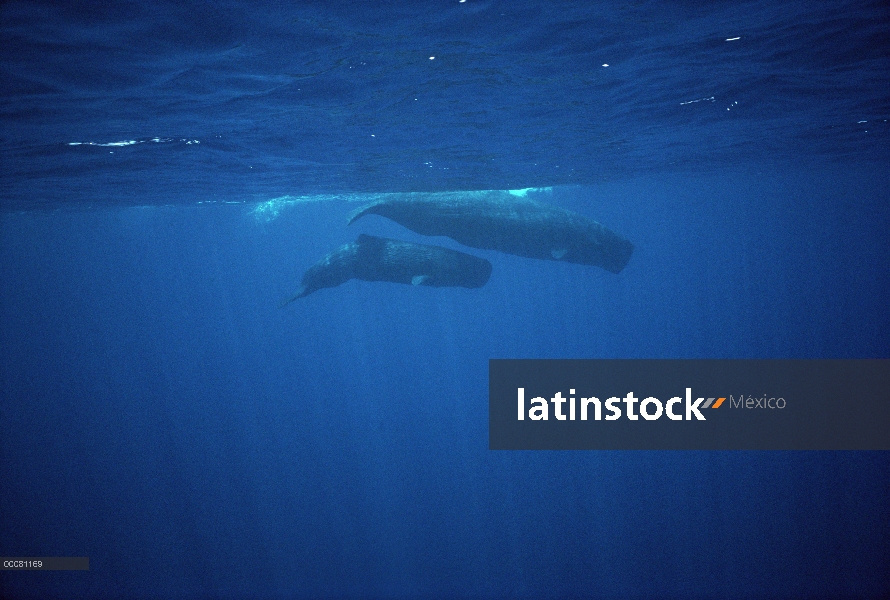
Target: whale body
372, 258
510, 224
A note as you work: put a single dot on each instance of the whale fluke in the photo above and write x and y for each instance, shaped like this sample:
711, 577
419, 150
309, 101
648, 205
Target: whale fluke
300, 293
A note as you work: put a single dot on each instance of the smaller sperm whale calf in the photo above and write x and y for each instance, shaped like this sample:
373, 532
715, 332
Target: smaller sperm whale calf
372, 258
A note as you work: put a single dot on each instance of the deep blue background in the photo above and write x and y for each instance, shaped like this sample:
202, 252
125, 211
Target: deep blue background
161, 415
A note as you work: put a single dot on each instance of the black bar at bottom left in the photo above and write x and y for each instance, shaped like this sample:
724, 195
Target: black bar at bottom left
45, 563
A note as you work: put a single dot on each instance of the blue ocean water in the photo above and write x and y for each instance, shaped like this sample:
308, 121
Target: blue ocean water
170, 170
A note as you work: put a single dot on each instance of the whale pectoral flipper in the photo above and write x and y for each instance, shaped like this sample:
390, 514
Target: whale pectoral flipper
419, 279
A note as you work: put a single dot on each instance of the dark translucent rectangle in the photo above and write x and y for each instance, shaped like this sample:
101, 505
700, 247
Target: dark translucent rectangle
690, 404
45, 563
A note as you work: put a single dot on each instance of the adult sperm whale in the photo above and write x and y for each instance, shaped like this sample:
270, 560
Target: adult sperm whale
500, 221
372, 258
